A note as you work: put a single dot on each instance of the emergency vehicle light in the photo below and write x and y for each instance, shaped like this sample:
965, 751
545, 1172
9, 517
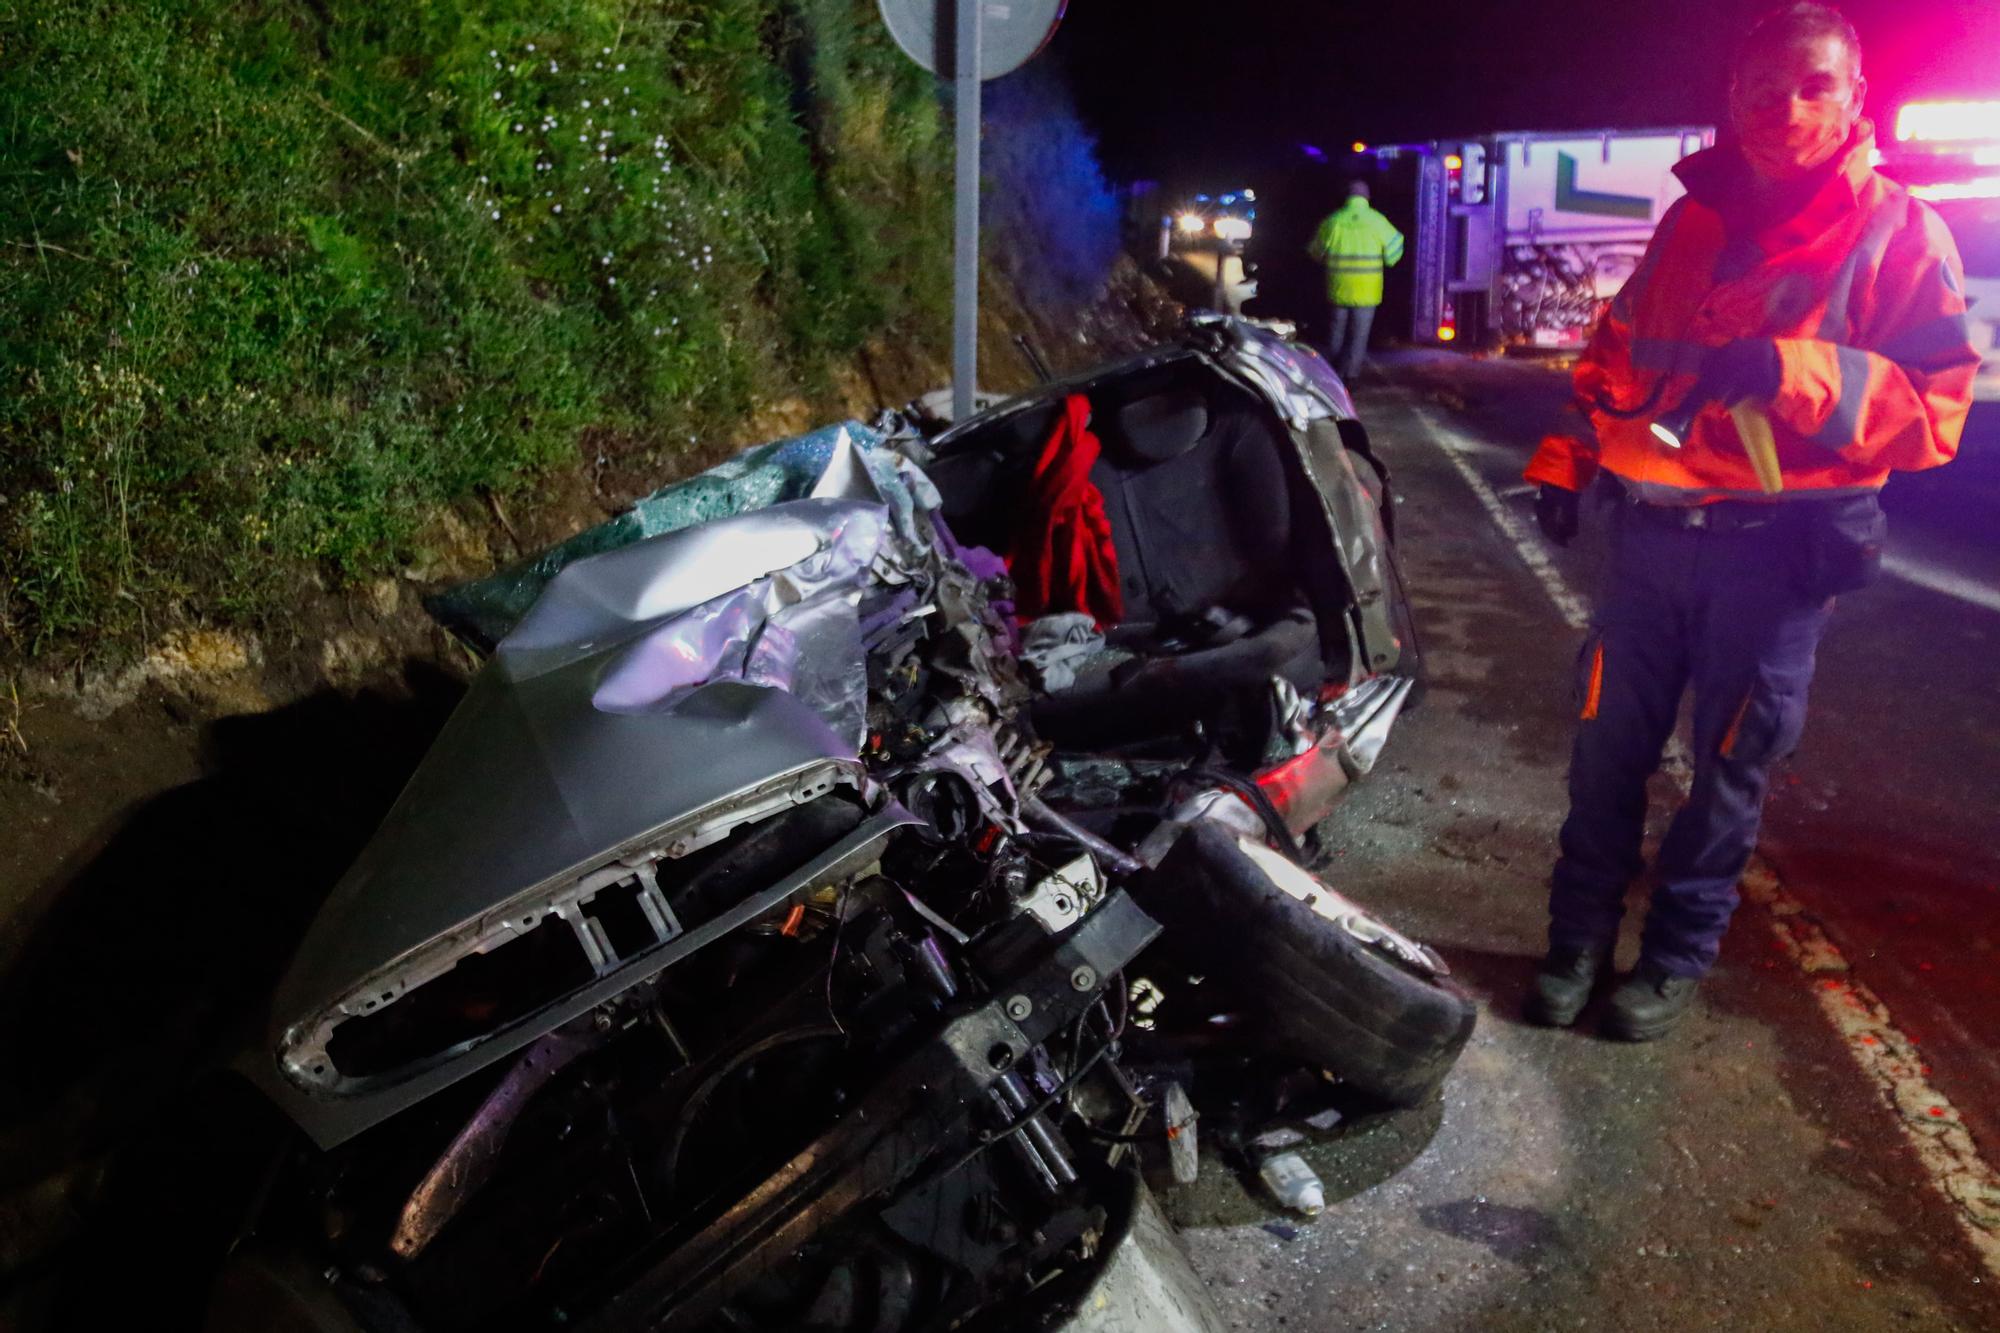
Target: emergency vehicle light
1949, 122
1360, 147
1453, 162
1446, 333
1980, 187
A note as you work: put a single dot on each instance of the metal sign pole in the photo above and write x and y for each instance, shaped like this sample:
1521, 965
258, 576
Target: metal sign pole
964, 42
965, 216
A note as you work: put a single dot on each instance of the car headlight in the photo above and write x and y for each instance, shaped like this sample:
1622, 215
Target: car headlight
1191, 223
1233, 229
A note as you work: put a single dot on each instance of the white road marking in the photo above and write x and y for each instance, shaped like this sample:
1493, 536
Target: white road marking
1927, 575
1932, 1126
1518, 531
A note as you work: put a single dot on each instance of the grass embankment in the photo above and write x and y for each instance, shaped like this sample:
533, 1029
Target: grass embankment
280, 278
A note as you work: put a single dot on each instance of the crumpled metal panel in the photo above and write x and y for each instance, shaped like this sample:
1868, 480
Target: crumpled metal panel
707, 669
1294, 379
1305, 391
768, 598
332, 1119
810, 649
845, 461
1363, 543
530, 785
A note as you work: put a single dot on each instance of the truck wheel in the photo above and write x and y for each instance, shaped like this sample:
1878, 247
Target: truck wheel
1331, 986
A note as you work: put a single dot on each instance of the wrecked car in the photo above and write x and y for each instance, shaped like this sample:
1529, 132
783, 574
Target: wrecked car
761, 943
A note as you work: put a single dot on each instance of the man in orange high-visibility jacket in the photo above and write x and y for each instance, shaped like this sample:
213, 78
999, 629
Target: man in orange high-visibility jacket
1794, 277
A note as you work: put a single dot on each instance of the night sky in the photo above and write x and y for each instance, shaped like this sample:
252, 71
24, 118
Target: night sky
1198, 94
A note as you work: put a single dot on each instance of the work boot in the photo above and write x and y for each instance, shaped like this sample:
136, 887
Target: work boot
1649, 1003
1563, 984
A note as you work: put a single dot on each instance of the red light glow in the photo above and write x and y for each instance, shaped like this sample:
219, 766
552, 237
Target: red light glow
1305, 787
1446, 333
1949, 122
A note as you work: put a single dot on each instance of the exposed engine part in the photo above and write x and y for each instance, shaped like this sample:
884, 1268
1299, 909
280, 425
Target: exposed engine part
1038, 813
1061, 899
472, 1156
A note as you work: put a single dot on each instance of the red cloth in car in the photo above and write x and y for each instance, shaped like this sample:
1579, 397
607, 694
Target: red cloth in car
1063, 559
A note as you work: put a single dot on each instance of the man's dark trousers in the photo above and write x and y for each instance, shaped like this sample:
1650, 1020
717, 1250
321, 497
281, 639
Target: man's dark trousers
1348, 341
1718, 607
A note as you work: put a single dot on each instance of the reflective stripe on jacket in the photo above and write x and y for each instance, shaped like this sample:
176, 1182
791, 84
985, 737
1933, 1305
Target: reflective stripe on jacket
1356, 244
1862, 293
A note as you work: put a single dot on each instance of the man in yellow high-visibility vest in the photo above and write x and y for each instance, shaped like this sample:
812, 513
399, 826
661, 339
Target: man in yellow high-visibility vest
1356, 244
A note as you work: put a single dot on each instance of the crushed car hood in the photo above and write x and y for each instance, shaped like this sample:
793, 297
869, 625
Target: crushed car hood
686, 673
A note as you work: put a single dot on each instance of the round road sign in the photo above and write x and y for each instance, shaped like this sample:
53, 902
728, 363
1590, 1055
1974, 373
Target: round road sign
1010, 32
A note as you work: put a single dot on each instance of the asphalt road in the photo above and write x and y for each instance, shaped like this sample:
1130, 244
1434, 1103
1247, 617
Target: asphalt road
1768, 1166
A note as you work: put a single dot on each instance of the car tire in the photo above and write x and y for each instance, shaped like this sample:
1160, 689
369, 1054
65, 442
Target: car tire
1319, 993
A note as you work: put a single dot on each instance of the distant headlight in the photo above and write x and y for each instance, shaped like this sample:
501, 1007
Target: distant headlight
1191, 223
1233, 229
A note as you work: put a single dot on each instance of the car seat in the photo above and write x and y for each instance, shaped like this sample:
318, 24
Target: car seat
1198, 487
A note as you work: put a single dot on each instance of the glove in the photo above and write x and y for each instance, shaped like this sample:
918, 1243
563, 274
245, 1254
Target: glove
1556, 510
1746, 368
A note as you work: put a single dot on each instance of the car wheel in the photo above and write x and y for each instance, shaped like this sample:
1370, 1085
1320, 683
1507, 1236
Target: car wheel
1328, 982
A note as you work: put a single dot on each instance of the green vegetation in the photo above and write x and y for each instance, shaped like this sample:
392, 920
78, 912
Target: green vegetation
279, 278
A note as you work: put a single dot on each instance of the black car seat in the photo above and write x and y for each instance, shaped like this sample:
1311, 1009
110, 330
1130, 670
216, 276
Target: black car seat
1198, 489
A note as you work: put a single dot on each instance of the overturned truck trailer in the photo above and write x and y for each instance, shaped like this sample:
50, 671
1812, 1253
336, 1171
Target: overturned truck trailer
1523, 237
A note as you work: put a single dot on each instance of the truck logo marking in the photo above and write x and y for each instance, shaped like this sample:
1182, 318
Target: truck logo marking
1569, 199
